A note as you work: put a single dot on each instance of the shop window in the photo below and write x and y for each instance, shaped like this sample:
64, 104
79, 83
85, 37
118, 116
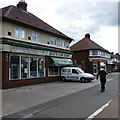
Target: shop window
24, 67
14, 67
19, 33
33, 67
40, 67
35, 37
53, 71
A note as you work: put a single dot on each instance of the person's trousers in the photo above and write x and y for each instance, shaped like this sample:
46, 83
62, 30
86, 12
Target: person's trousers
103, 81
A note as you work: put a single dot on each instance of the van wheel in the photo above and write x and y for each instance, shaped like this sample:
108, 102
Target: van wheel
63, 79
89, 80
83, 80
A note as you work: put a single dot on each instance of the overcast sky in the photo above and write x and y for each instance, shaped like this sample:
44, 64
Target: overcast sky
75, 18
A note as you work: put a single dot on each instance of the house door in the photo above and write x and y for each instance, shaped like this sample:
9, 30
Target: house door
95, 68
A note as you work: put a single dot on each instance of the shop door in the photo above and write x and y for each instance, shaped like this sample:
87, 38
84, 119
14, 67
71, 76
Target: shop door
14, 70
95, 68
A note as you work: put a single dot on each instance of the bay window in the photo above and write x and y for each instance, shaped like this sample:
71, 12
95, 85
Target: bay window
94, 52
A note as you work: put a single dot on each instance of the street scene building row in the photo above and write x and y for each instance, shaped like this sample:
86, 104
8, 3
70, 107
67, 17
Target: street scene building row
34, 52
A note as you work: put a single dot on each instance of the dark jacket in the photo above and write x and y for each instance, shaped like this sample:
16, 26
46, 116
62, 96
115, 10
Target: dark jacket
102, 74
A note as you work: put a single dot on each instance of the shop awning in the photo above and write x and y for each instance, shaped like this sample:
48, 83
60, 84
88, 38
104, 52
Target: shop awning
60, 62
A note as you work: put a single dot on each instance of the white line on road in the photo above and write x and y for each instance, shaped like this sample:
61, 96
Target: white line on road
98, 111
109, 79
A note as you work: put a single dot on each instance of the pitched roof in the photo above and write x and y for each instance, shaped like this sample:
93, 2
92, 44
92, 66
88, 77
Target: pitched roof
13, 13
86, 44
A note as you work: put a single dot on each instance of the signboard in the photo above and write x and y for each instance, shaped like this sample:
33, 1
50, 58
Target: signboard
16, 49
99, 60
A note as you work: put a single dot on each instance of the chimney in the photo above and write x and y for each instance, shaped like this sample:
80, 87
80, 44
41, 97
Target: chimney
22, 5
87, 35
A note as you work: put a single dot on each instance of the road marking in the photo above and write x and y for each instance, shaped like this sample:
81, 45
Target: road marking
98, 111
109, 79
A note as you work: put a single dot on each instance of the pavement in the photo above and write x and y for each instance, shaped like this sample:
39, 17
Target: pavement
17, 99
30, 96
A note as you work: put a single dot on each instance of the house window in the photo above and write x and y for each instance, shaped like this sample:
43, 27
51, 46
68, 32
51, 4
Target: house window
35, 37
100, 53
53, 41
53, 71
103, 53
14, 67
20, 33
62, 43
94, 52
24, 67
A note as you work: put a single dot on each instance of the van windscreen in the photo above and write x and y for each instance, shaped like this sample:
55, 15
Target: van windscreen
80, 71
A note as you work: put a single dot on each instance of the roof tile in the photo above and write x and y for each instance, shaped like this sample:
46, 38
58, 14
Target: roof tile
13, 13
86, 44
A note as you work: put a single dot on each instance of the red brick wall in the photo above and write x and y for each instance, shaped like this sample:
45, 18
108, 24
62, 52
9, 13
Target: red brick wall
18, 83
82, 60
5, 68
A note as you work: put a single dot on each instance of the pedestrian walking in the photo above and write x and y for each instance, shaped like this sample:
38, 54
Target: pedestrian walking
102, 73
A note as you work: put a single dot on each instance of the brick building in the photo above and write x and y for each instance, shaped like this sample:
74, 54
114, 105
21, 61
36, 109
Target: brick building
32, 51
115, 62
90, 56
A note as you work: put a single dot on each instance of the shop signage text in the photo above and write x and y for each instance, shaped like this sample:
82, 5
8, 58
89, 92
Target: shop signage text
16, 49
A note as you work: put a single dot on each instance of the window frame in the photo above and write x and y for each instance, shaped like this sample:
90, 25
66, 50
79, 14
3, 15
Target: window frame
35, 36
94, 52
63, 43
53, 41
20, 34
51, 75
20, 74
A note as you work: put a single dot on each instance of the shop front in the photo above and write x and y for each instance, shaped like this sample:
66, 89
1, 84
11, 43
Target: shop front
98, 63
24, 64
55, 65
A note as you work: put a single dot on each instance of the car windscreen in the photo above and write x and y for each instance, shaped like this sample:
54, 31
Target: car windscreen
80, 71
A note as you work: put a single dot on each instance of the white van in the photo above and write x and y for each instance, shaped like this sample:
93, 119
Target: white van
75, 74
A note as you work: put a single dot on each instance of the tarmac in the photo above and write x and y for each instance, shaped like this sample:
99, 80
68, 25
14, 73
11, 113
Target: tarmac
111, 111
30, 92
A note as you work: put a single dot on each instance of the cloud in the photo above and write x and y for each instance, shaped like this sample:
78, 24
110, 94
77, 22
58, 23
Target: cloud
78, 18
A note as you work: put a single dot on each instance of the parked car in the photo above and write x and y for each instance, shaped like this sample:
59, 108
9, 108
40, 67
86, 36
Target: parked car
75, 74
